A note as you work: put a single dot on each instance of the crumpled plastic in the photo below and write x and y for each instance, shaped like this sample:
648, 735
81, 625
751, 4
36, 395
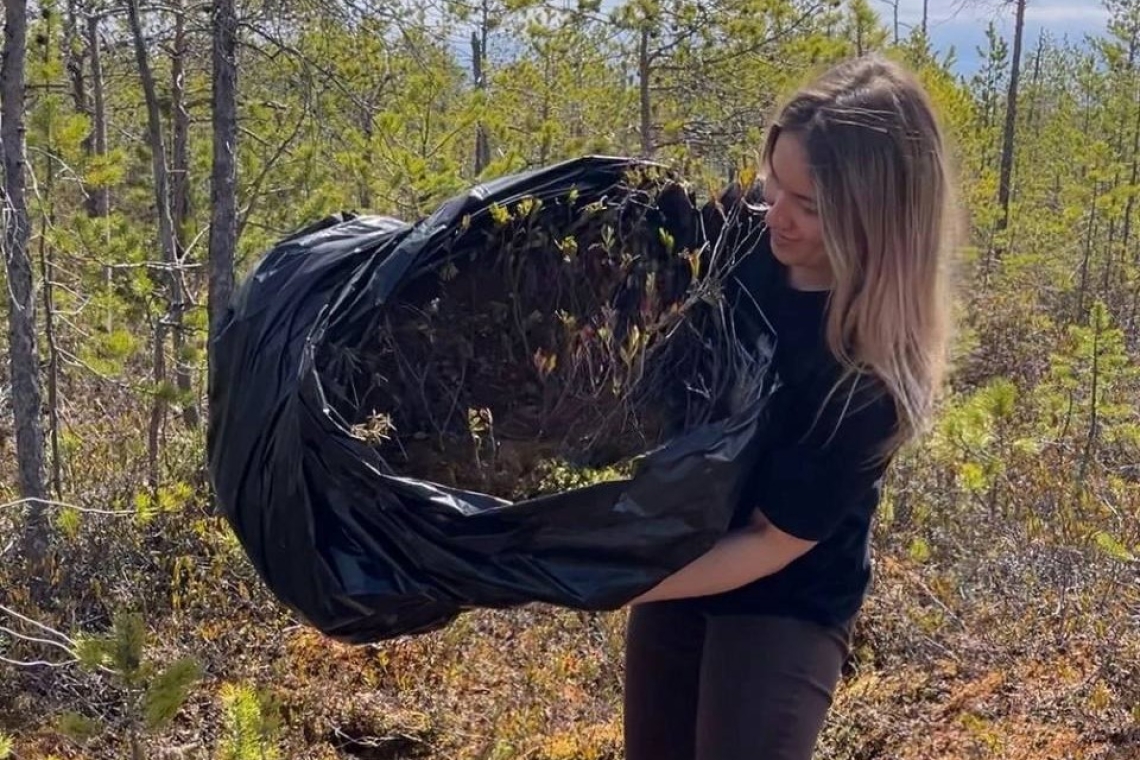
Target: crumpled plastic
364, 554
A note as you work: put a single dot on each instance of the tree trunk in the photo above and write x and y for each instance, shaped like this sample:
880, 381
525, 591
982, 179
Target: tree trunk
478, 60
1134, 177
1035, 84
1007, 145
47, 273
545, 147
47, 267
180, 201
173, 318
23, 355
368, 130
1133, 313
223, 176
159, 407
101, 196
99, 205
643, 75
75, 58
1094, 405
1106, 273
1086, 259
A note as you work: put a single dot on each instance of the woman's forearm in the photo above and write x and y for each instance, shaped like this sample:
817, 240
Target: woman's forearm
736, 560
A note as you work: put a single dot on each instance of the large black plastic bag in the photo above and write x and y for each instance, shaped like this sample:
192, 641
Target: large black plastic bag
363, 554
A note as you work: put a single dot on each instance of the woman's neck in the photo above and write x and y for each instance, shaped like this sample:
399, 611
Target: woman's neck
810, 278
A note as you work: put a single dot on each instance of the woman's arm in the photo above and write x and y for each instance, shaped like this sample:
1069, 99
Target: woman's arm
737, 559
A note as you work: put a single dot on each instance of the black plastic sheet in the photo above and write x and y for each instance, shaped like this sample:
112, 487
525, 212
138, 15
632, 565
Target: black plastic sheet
364, 554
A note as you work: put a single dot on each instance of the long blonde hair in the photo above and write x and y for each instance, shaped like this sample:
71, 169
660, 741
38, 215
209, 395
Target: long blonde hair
886, 203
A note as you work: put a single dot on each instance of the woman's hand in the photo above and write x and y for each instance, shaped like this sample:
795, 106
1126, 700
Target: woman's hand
758, 550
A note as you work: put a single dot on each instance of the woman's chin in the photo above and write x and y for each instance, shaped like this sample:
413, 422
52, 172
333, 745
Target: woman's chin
783, 251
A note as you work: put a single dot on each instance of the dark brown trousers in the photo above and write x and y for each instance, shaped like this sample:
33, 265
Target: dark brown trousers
746, 687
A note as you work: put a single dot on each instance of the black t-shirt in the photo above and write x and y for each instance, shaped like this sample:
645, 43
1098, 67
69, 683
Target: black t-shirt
819, 474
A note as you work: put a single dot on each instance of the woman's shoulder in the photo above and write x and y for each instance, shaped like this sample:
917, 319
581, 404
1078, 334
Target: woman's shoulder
857, 414
871, 397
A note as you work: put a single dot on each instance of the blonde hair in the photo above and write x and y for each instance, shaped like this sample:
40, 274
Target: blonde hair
885, 197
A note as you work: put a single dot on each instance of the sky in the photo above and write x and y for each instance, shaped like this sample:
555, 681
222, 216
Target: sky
962, 23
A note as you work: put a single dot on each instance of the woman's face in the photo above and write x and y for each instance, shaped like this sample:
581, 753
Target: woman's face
797, 235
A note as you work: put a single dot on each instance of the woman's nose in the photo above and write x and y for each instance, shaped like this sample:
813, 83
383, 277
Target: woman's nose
776, 215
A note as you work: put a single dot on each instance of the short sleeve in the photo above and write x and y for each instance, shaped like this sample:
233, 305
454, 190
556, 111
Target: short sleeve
808, 482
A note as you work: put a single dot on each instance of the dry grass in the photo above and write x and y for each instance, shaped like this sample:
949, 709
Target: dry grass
545, 683
991, 632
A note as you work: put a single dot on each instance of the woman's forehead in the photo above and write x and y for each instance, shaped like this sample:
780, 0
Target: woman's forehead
789, 165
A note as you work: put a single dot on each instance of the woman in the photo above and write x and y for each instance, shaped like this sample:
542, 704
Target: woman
738, 654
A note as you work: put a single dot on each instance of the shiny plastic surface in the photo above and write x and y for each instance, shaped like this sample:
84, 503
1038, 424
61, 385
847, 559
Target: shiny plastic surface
360, 552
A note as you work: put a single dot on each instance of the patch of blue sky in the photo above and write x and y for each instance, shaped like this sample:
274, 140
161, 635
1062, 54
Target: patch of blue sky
961, 24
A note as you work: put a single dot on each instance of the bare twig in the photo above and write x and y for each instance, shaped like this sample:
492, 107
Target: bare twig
62, 505
158, 266
34, 663
36, 624
253, 192
36, 640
